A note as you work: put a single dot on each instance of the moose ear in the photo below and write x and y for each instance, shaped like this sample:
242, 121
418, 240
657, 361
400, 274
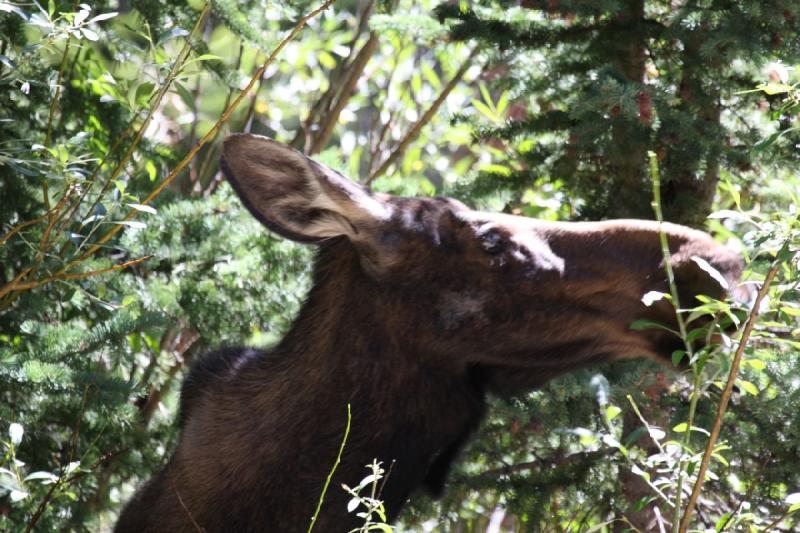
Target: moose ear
294, 196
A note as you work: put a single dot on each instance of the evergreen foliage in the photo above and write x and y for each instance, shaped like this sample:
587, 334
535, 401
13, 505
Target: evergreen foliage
563, 99
599, 84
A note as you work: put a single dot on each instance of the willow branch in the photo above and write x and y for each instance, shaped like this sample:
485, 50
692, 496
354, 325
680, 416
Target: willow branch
53, 104
226, 115
19, 227
21, 286
18, 285
183, 55
415, 130
726, 394
348, 86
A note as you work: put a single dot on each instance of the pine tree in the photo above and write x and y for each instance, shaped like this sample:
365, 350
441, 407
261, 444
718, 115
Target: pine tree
602, 83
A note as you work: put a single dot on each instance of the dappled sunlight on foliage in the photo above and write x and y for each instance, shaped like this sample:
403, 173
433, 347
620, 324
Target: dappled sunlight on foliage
125, 256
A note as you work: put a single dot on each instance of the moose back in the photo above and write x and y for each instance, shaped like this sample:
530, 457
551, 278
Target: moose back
420, 307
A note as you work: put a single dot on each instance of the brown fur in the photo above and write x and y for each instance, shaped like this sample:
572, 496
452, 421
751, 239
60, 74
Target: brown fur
416, 313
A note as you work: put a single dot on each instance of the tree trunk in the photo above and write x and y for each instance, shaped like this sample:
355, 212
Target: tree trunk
691, 163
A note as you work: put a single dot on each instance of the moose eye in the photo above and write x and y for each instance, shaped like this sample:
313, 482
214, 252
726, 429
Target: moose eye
492, 242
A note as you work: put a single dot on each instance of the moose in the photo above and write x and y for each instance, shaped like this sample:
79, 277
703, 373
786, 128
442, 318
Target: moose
420, 308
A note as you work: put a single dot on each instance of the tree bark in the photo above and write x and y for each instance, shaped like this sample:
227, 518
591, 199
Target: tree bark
691, 164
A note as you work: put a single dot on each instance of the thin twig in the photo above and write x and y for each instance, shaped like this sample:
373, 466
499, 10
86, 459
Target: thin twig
775, 522
183, 55
53, 105
415, 130
333, 469
655, 176
19, 227
303, 137
211, 132
21, 286
68, 214
52, 219
61, 479
348, 86
16, 286
726, 394
753, 484
210, 152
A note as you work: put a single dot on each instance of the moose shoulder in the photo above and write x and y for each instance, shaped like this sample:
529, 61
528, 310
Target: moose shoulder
419, 308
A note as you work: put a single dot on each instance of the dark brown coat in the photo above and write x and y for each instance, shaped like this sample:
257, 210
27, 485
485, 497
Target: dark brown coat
420, 307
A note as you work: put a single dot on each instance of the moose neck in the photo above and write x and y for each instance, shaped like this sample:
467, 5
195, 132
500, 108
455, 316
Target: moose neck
351, 321
363, 353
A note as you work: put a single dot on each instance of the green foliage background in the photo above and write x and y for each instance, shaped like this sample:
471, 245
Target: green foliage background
546, 109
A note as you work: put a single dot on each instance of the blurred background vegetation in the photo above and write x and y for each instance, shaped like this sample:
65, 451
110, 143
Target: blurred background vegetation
124, 255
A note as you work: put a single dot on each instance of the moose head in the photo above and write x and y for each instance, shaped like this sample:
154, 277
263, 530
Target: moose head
419, 308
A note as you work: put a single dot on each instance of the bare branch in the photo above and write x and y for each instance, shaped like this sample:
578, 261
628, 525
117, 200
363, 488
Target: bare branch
415, 130
726, 394
348, 86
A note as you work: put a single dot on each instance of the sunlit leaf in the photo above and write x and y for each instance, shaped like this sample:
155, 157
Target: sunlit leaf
612, 411
104, 16
90, 34
15, 432
653, 296
713, 272
748, 387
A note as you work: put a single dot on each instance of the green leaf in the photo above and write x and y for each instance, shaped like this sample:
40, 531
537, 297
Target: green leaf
723, 521
730, 214
46, 477
203, 57
502, 104
791, 311
326, 60
484, 110
151, 170
90, 34
755, 364
15, 432
681, 428
748, 387
104, 16
720, 459
495, 169
649, 324
612, 411
143, 92
431, 76
775, 88
131, 223
143, 208
416, 83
